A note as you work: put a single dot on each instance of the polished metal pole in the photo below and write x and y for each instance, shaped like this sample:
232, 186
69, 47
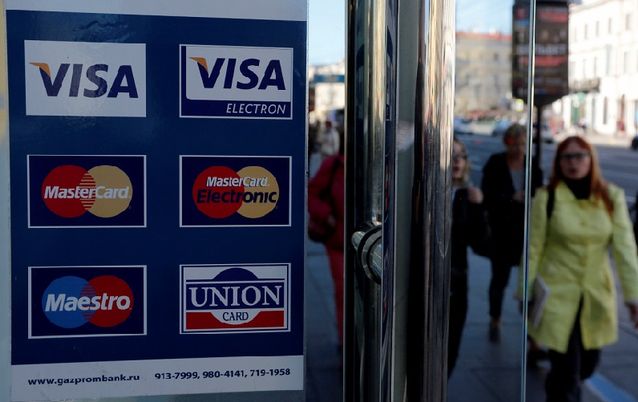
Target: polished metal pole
429, 270
400, 76
369, 139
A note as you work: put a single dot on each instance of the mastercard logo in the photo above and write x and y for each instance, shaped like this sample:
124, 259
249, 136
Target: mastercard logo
219, 192
70, 191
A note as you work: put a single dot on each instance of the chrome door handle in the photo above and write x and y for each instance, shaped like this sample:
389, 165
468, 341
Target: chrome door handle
369, 248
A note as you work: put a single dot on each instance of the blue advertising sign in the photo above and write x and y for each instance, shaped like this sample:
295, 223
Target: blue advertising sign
157, 165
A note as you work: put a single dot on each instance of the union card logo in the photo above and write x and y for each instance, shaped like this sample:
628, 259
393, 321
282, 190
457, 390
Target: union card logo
235, 298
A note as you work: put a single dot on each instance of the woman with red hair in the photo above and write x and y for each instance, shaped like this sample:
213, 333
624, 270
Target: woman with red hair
576, 220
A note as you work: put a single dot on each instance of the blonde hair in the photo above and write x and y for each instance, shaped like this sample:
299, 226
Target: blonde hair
466, 171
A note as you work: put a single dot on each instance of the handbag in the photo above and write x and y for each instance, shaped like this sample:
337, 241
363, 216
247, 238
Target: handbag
321, 230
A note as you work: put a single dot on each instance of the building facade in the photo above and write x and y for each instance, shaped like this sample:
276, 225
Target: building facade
483, 72
327, 91
603, 68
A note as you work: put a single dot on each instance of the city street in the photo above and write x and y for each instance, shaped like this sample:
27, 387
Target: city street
615, 380
485, 372
619, 164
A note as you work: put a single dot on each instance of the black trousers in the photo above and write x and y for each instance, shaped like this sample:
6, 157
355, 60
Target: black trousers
458, 314
500, 278
569, 369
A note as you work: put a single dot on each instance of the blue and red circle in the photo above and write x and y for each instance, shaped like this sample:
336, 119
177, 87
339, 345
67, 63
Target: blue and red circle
104, 301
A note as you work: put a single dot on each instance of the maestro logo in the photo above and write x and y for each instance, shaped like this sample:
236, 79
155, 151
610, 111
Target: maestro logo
87, 301
70, 191
85, 79
235, 191
87, 190
104, 301
234, 81
243, 298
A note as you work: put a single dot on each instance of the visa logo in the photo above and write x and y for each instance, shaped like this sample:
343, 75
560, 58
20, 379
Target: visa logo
124, 81
272, 75
236, 82
85, 78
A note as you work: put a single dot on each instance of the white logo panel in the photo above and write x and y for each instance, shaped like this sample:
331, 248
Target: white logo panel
232, 73
85, 79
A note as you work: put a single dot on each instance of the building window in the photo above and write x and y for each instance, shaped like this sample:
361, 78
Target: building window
584, 68
608, 60
595, 66
597, 28
605, 107
625, 62
628, 22
609, 27
585, 33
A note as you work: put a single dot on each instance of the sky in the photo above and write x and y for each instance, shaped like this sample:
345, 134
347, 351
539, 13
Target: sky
326, 24
484, 15
326, 31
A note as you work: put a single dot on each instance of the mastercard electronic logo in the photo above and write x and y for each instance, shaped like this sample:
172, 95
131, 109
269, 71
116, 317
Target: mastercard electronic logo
241, 191
219, 192
70, 191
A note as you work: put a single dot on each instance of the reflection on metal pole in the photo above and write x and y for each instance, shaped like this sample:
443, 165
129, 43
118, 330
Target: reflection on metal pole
398, 149
528, 187
370, 138
429, 269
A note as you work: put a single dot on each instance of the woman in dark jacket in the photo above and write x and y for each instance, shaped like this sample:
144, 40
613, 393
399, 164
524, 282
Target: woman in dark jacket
504, 187
469, 228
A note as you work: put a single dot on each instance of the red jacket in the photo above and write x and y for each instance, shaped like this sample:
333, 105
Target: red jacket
320, 209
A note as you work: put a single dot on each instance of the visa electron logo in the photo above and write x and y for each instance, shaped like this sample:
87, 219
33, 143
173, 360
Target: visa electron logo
85, 79
70, 191
233, 81
104, 301
219, 192
245, 298
247, 78
124, 81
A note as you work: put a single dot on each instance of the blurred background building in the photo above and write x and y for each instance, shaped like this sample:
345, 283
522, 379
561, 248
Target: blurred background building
603, 68
483, 72
327, 91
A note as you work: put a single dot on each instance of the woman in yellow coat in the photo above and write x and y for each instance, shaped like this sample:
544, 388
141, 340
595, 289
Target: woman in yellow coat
576, 220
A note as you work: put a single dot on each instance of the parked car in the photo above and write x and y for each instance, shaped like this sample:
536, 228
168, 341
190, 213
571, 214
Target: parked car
634, 143
500, 127
462, 126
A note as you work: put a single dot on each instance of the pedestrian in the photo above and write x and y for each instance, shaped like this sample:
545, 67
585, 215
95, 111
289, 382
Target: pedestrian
326, 204
503, 185
635, 211
576, 220
330, 140
469, 228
